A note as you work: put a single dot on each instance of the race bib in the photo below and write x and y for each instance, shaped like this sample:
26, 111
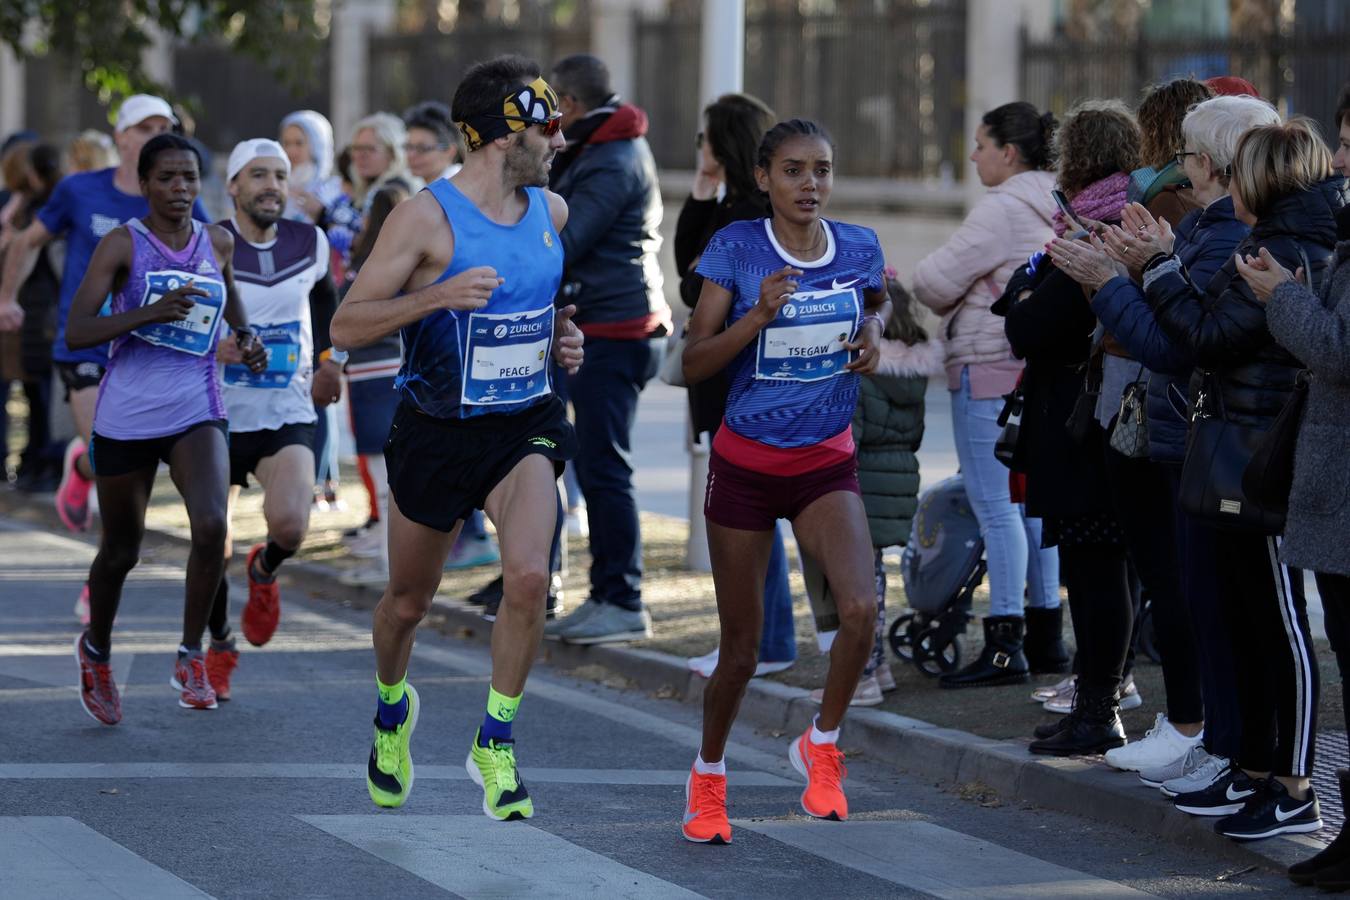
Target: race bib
195, 334
283, 358
507, 357
806, 341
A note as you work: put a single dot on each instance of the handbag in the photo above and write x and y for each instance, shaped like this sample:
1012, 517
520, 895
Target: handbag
1129, 436
1270, 474
1010, 420
672, 364
1218, 453
1083, 418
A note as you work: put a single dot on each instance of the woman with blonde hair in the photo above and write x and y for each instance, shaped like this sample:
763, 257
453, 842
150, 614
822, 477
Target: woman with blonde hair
90, 151
378, 157
1282, 185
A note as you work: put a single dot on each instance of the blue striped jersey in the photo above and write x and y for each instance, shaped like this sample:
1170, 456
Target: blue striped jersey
788, 387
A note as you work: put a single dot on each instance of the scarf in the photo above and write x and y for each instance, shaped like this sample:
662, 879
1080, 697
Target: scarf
1102, 200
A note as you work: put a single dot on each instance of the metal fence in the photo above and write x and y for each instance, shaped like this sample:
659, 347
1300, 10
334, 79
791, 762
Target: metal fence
1300, 73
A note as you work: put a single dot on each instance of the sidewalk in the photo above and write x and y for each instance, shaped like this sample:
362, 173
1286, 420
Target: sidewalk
973, 740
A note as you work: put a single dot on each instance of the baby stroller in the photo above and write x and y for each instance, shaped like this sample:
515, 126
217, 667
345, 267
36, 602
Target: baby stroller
942, 565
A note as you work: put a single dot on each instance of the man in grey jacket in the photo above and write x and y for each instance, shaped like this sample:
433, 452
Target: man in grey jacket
608, 178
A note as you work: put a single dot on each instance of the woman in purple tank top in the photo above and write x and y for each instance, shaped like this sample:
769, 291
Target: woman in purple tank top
171, 283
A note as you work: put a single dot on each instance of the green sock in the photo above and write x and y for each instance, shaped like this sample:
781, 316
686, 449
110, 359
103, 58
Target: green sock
501, 712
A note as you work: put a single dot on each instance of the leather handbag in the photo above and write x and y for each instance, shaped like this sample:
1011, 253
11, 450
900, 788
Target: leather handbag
1270, 474
1129, 436
1010, 419
1218, 453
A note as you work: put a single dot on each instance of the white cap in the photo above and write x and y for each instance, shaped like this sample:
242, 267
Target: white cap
246, 152
139, 107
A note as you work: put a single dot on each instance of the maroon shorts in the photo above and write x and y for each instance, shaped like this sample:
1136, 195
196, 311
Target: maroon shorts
741, 498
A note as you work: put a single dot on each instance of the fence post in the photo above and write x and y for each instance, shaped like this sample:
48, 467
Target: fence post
993, 69
11, 91
349, 61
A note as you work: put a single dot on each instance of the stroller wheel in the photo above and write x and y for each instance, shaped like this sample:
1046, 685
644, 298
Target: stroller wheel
936, 653
901, 637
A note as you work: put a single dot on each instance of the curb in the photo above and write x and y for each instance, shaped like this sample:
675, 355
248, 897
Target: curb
1074, 785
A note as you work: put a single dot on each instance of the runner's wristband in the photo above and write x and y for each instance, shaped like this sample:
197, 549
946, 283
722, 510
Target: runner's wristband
337, 356
242, 334
863, 323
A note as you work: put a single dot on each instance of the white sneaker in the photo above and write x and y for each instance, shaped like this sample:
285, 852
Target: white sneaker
867, 693
365, 545
705, 664
885, 678
1130, 697
1208, 769
578, 523
1042, 694
1062, 703
1162, 744
1154, 776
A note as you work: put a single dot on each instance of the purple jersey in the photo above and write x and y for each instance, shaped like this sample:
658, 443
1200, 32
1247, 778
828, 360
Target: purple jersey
162, 379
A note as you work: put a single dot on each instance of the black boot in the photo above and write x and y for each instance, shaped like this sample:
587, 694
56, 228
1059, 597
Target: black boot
1050, 729
1093, 727
1044, 645
1330, 869
1001, 661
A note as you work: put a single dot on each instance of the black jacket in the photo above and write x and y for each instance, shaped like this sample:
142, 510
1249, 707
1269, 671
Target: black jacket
1225, 325
1052, 330
699, 221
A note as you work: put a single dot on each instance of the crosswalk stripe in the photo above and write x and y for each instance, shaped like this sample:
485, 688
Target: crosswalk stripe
57, 857
472, 857
104, 771
936, 860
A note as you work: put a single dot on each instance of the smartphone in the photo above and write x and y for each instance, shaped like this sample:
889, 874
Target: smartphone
1063, 203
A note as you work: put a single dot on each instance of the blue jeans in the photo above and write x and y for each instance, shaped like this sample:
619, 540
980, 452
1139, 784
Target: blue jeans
1012, 542
604, 394
778, 640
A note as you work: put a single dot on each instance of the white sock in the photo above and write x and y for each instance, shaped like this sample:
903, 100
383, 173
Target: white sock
823, 737
707, 768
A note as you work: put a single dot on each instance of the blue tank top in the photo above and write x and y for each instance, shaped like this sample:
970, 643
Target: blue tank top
495, 360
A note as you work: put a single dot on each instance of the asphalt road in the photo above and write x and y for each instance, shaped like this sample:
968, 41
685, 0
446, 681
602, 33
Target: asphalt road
264, 797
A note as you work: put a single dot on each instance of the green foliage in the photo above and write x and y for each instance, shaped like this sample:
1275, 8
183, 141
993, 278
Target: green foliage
106, 38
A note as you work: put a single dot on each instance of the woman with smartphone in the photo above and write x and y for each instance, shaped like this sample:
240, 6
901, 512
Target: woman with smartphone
960, 282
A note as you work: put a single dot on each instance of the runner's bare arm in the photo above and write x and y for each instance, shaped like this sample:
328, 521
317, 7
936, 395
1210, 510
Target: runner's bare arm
109, 264
404, 259
709, 347
557, 208
21, 258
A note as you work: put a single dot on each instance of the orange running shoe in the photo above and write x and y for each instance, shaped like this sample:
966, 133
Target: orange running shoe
220, 665
98, 691
190, 680
822, 765
705, 809
263, 610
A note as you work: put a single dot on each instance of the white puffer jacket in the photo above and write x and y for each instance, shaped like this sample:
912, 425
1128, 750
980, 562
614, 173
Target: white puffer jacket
961, 280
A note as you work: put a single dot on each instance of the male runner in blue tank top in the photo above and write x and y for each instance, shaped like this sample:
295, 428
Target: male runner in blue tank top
468, 270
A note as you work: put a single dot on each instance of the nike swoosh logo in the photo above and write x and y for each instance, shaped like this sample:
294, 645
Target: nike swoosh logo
1283, 816
1240, 795
689, 817
837, 285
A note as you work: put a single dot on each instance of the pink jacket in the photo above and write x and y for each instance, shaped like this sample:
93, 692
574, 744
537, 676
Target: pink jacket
961, 280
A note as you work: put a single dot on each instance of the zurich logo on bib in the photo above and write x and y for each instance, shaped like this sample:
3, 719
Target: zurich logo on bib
806, 341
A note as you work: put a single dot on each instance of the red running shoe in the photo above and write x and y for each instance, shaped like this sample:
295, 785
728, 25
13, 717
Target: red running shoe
190, 680
705, 809
220, 665
98, 691
823, 767
72, 496
263, 610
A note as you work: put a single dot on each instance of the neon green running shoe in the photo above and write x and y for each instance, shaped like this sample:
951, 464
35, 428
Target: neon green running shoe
493, 768
389, 774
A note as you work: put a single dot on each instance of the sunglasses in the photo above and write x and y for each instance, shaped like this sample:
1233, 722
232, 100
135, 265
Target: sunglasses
550, 126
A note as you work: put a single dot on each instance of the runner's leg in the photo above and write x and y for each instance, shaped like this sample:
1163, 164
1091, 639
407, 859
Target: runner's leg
219, 622
123, 499
833, 530
286, 477
82, 403
416, 554
200, 466
739, 561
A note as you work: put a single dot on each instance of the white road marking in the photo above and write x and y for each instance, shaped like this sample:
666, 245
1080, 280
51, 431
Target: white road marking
131, 770
936, 860
57, 857
474, 857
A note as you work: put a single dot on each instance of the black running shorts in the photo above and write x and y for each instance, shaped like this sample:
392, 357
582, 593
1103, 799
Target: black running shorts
440, 470
110, 457
248, 448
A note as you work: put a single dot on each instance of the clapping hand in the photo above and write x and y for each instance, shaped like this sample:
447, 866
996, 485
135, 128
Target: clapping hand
1263, 273
1086, 263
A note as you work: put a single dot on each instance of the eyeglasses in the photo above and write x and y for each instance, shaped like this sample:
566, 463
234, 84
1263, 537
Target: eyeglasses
550, 126
364, 149
419, 149
1180, 157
